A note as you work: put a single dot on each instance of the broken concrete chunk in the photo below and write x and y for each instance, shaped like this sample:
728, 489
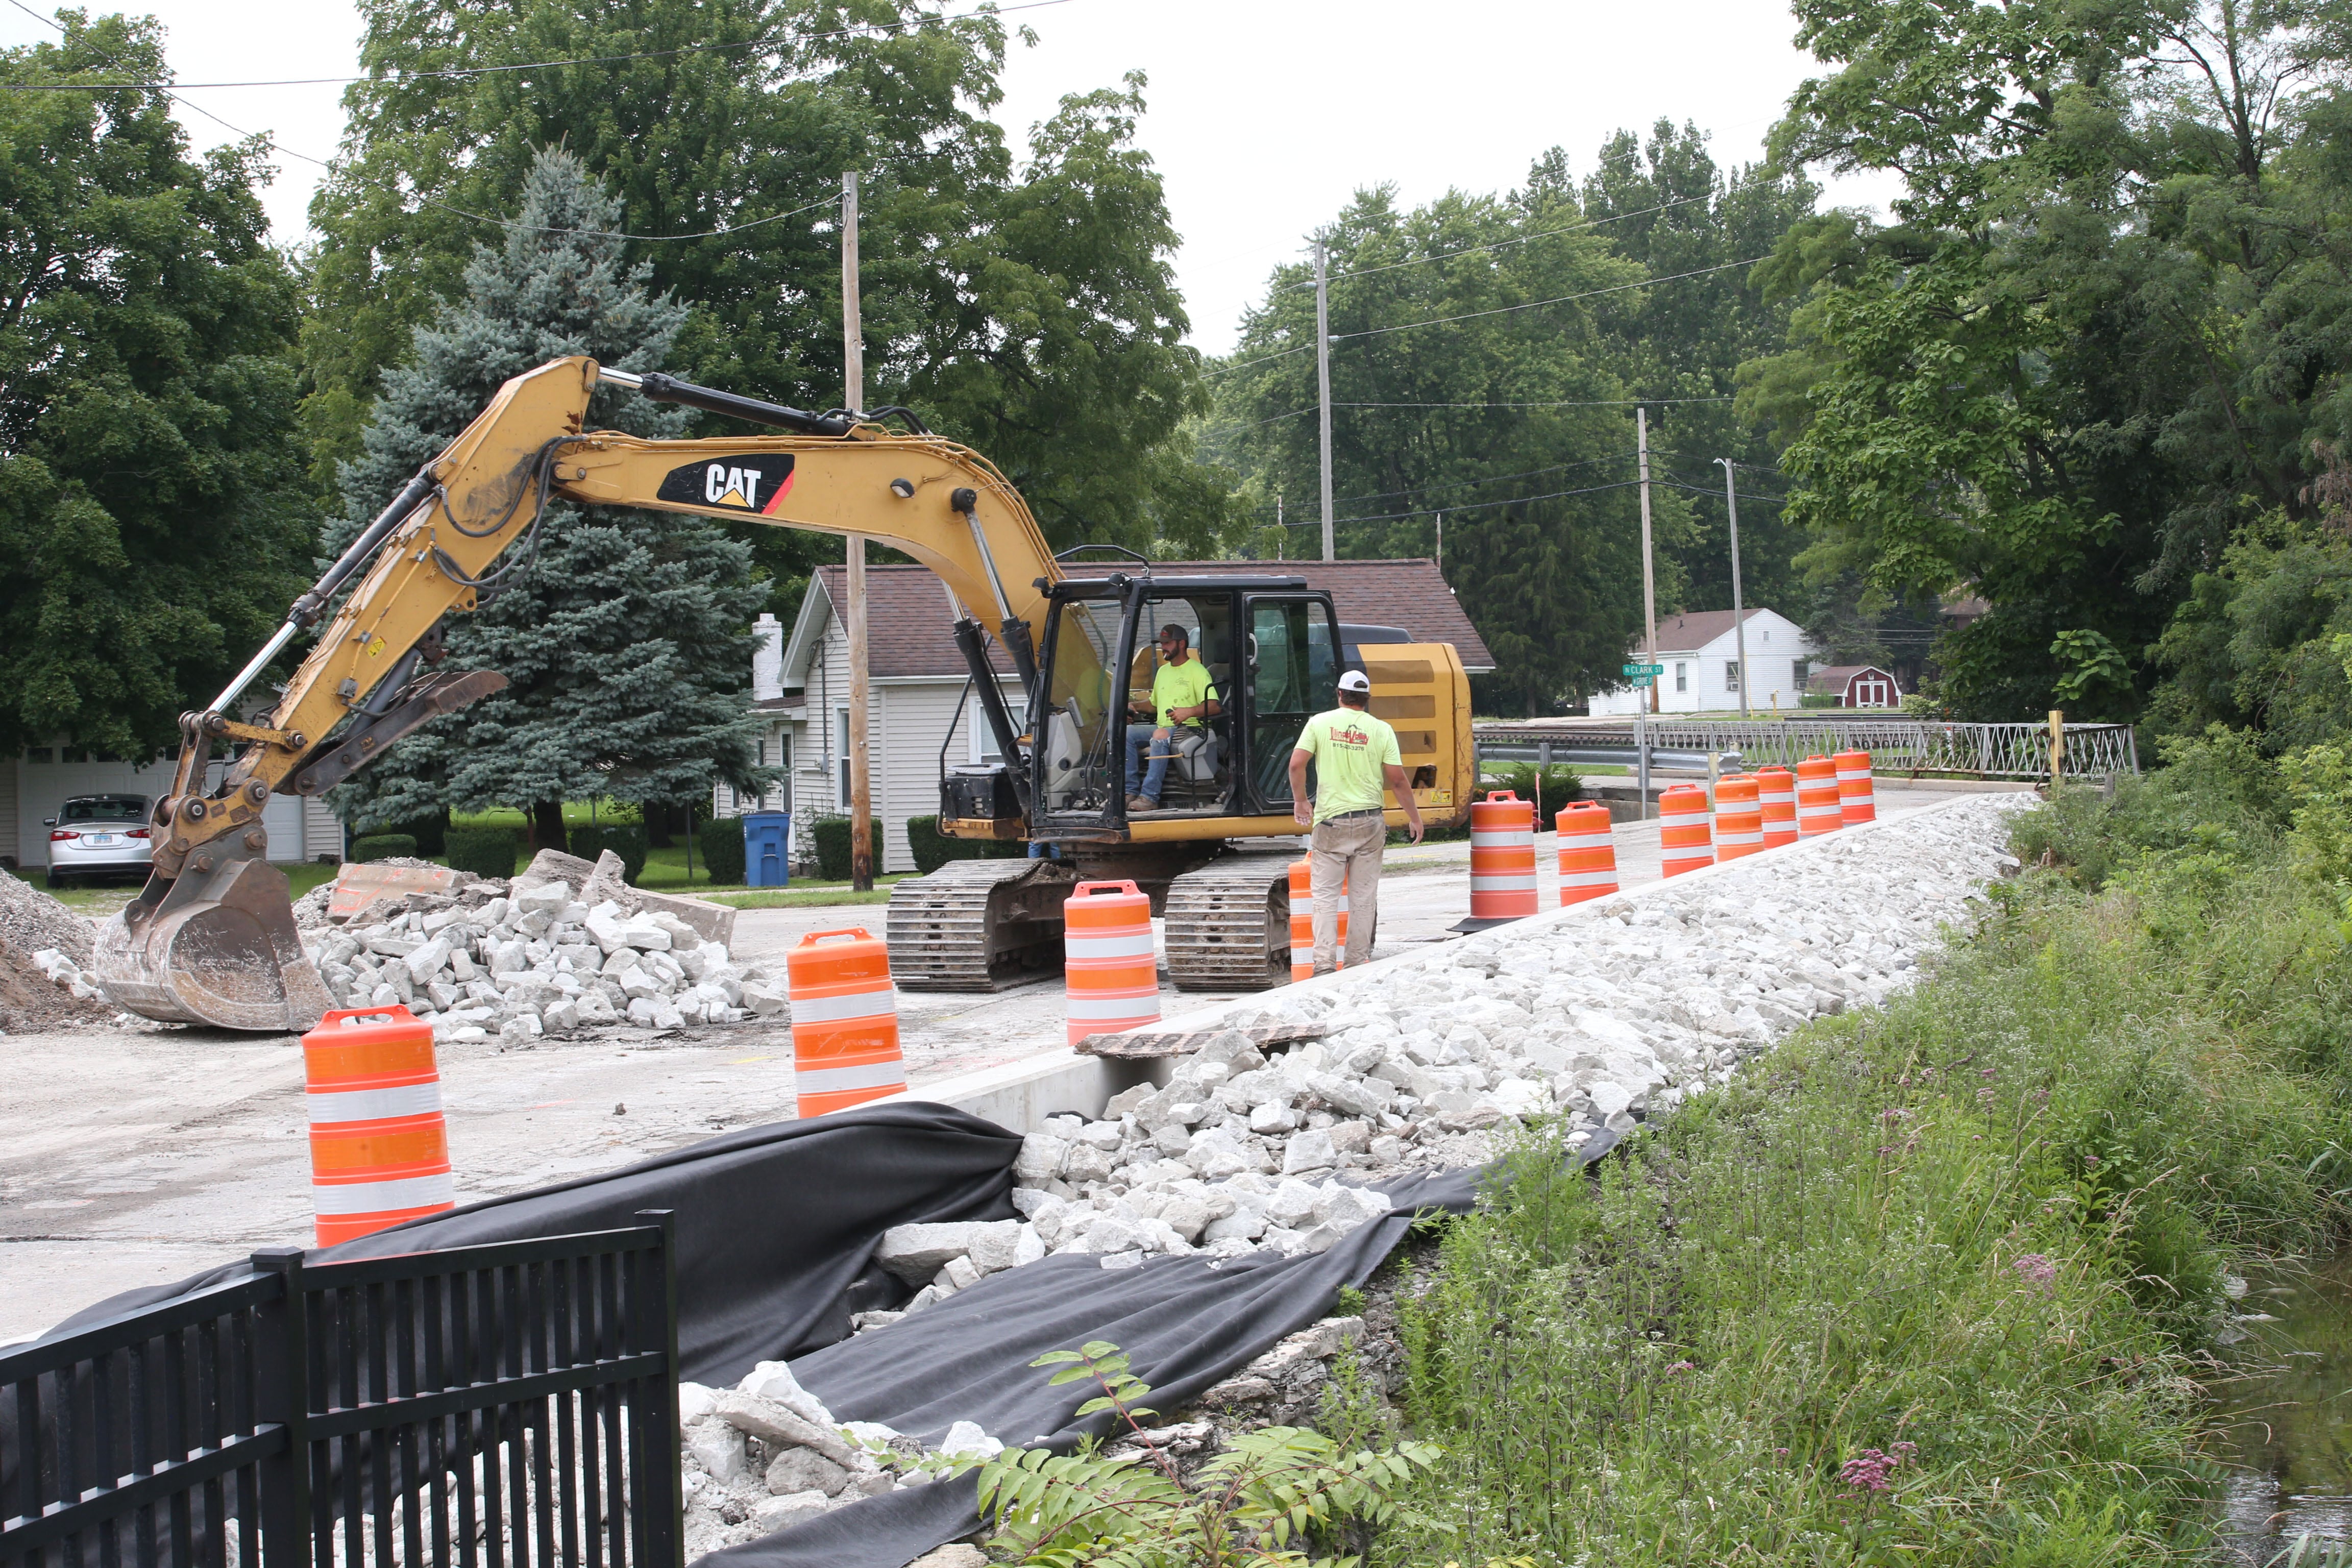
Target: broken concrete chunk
777, 1427
552, 866
806, 1470
782, 1512
719, 1448
915, 1252
994, 1244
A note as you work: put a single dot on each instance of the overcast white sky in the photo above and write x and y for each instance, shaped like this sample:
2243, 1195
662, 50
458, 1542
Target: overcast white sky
1265, 114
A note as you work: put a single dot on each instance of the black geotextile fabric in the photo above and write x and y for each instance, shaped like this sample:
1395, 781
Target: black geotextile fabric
776, 1226
1184, 1323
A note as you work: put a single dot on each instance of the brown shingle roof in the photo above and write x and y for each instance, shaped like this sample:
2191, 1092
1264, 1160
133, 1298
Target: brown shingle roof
1694, 630
909, 622
907, 616
1409, 594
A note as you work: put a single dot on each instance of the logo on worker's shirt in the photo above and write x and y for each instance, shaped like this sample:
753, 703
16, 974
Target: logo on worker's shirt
757, 484
1351, 736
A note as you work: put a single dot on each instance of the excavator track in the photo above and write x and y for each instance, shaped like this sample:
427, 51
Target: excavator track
1228, 924
978, 925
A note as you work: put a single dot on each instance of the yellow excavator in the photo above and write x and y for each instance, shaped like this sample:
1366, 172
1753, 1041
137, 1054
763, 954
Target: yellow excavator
212, 938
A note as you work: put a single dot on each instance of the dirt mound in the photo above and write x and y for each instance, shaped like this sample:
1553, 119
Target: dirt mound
30, 921
30, 1002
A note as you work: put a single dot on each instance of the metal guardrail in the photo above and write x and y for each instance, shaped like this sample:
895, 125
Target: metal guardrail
1896, 745
511, 1403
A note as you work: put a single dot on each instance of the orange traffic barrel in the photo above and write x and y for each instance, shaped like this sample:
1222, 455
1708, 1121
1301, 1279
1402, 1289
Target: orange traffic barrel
1109, 968
1682, 833
1776, 792
1502, 856
1302, 921
1817, 797
379, 1144
844, 1021
1587, 853
1856, 801
1738, 818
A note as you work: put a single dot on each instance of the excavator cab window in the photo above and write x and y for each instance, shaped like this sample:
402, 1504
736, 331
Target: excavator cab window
1200, 749
1078, 732
1293, 676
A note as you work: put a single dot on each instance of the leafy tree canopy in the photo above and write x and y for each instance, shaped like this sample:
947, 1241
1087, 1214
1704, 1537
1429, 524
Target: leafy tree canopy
154, 522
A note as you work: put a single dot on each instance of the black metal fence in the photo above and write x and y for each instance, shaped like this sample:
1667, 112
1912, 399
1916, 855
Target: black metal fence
512, 1405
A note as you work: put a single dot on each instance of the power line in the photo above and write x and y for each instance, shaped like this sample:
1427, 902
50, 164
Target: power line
1522, 239
1245, 364
1598, 403
469, 72
1533, 304
1213, 429
1482, 505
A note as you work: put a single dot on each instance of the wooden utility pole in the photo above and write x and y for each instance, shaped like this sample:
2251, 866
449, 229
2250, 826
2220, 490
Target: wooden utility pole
2057, 747
853, 375
1739, 613
1323, 389
1649, 580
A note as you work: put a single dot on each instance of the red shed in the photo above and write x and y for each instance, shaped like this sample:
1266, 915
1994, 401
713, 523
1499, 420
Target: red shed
1856, 686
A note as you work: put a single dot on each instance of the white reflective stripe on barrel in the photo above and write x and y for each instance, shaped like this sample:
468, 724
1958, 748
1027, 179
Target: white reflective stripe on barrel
381, 1197
1502, 838
1737, 835
1126, 944
329, 1107
1496, 884
1587, 878
883, 1004
1095, 1004
866, 1075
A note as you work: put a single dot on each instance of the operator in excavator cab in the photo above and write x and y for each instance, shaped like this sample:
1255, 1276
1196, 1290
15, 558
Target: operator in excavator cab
1179, 699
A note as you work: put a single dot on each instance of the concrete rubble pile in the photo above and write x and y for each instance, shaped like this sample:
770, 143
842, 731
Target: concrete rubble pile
1605, 1017
567, 945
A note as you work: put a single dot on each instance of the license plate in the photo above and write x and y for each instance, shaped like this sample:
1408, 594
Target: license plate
101, 841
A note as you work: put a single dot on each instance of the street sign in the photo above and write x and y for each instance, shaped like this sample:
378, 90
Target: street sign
1641, 681
1634, 670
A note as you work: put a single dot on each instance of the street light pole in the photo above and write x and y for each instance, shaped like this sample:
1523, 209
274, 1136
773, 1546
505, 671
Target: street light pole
1739, 613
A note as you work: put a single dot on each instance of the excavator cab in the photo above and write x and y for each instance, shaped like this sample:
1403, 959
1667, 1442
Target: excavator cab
1268, 646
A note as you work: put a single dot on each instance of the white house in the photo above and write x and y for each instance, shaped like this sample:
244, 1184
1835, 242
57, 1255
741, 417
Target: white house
1703, 674
917, 711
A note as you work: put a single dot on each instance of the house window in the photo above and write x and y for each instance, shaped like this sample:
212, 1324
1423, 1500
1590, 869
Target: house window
982, 737
777, 752
1682, 677
1799, 669
841, 749
37, 754
1731, 675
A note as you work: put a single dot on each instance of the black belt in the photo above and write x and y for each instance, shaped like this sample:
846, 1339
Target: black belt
1368, 810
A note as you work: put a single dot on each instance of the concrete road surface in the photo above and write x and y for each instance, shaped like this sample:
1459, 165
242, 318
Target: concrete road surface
141, 1155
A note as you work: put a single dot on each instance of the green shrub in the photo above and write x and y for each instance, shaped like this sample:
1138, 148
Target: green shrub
384, 846
626, 839
719, 843
484, 851
933, 849
832, 835
1552, 787
430, 831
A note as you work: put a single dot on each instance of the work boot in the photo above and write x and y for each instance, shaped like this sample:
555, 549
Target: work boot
1136, 803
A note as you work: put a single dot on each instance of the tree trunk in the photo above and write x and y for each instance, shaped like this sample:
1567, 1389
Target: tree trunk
547, 825
661, 826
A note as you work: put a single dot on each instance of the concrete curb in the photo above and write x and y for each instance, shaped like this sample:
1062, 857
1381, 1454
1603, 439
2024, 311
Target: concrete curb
1020, 1095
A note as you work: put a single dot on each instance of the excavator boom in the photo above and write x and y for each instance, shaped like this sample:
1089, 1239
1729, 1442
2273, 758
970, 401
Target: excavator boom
211, 939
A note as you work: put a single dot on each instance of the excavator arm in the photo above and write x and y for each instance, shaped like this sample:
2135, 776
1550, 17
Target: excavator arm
211, 939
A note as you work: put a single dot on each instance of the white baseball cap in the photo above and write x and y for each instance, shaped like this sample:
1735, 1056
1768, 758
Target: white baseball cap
1355, 680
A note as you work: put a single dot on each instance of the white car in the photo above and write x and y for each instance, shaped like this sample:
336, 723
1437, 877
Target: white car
98, 835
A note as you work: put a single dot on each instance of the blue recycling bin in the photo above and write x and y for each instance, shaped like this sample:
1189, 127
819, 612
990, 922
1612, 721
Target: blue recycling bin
767, 848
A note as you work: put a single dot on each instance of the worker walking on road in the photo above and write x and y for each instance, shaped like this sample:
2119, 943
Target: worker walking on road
1356, 758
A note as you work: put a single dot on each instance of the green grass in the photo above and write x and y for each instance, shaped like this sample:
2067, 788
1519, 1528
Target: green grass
105, 897
1991, 1223
796, 898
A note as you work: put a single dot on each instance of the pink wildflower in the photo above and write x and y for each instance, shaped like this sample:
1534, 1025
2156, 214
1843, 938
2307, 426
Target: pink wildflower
2037, 1270
1873, 1470
1681, 1366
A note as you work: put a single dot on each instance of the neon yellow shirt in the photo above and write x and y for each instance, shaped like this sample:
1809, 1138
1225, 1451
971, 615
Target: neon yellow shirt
1350, 748
1184, 685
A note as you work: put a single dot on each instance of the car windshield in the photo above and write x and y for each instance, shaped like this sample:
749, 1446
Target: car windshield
106, 808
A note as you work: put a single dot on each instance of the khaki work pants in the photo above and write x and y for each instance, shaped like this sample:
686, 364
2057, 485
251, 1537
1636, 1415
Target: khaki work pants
1346, 852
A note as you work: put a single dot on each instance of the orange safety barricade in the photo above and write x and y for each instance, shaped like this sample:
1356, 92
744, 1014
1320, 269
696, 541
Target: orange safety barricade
1502, 856
1856, 803
1776, 792
844, 1021
1817, 797
1738, 818
378, 1143
1682, 832
1302, 923
1587, 853
1110, 971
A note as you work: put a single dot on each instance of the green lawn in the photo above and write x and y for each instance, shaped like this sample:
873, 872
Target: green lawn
105, 897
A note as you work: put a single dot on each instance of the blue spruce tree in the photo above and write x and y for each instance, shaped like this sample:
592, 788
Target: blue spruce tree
627, 646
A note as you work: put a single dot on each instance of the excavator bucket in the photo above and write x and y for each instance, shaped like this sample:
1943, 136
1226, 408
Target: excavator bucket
217, 947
